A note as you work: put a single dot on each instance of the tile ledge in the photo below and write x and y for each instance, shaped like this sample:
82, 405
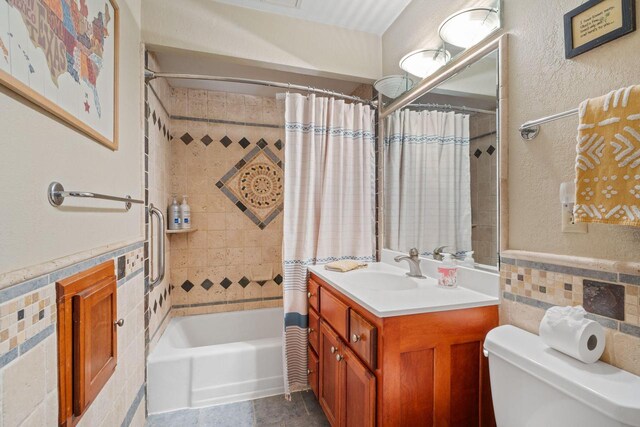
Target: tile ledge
598, 264
22, 275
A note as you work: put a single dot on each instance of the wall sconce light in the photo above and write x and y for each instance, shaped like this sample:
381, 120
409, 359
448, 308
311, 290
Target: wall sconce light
467, 27
393, 86
424, 62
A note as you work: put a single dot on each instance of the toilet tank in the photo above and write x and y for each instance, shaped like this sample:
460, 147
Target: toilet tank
534, 385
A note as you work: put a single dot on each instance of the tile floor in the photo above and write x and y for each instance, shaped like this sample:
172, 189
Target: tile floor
302, 411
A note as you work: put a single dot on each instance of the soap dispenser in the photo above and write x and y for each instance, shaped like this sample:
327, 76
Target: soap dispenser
448, 272
174, 214
185, 214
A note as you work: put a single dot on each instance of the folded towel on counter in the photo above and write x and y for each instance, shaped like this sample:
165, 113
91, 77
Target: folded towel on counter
608, 159
345, 265
566, 330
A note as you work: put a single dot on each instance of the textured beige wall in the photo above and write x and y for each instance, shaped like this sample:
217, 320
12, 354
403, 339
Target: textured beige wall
541, 82
37, 149
276, 41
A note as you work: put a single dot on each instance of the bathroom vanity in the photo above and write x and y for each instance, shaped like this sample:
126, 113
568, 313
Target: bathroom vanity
389, 350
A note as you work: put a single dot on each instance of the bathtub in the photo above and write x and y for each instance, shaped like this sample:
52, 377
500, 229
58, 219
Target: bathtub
218, 358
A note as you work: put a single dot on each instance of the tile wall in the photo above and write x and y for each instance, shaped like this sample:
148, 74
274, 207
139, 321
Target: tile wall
157, 186
528, 288
483, 151
226, 155
28, 348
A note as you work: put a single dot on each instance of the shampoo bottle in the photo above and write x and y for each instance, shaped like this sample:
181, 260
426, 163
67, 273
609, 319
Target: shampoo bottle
448, 272
174, 215
185, 213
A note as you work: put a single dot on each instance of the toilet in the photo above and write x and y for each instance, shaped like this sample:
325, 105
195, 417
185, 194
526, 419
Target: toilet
534, 385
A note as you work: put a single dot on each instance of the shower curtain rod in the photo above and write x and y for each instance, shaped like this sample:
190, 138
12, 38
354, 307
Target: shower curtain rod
150, 75
453, 107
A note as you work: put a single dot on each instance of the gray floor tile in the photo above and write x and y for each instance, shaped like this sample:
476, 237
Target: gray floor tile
232, 415
277, 409
307, 421
182, 418
311, 404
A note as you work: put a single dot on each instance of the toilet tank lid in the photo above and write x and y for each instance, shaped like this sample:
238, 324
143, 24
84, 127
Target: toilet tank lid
608, 389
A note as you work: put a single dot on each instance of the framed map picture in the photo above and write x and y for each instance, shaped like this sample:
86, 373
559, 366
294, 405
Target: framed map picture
63, 56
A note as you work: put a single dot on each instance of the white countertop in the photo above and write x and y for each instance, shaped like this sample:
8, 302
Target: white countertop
423, 297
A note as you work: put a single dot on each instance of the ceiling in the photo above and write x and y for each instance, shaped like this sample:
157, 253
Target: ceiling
189, 63
370, 16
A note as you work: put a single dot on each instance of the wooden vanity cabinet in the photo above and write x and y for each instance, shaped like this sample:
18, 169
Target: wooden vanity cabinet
411, 370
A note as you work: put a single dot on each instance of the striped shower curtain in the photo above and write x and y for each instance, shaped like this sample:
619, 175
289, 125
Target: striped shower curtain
329, 205
427, 183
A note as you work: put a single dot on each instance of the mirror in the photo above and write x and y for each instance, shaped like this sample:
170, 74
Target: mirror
431, 35
440, 167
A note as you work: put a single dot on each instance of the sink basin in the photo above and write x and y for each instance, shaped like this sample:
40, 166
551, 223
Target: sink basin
379, 281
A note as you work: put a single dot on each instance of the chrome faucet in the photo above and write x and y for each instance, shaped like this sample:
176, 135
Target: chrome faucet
414, 263
437, 253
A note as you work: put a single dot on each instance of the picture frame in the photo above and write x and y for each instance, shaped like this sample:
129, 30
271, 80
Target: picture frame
597, 22
80, 89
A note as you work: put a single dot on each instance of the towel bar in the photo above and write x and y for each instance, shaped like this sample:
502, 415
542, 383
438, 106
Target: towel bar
529, 130
57, 194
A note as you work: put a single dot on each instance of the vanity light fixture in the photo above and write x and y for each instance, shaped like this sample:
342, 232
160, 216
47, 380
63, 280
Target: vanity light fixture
424, 62
393, 86
467, 27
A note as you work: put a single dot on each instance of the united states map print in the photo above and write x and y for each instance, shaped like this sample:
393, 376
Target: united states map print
62, 54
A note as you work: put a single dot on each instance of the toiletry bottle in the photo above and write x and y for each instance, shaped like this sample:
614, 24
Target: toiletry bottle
448, 272
174, 214
185, 214
468, 260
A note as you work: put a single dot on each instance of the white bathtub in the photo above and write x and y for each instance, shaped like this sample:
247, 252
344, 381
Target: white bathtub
211, 359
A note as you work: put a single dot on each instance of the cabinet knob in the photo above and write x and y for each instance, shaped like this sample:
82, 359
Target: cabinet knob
333, 349
119, 323
310, 330
355, 338
339, 357
309, 372
309, 295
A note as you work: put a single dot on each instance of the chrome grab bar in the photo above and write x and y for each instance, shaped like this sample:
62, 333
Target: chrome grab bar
153, 211
57, 195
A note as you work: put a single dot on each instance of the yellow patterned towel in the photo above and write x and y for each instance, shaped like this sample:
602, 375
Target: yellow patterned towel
608, 159
345, 265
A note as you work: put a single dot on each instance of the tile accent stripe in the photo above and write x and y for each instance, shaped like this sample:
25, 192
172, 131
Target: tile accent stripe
574, 271
7, 358
239, 301
31, 285
225, 122
133, 408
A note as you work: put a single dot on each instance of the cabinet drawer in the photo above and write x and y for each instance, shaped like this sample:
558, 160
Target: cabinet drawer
313, 290
363, 337
335, 312
313, 371
314, 329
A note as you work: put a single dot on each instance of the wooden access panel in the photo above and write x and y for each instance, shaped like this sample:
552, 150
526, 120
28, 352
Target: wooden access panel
94, 341
87, 338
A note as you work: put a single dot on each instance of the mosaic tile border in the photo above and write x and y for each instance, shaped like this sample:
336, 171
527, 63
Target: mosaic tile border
28, 311
614, 302
207, 284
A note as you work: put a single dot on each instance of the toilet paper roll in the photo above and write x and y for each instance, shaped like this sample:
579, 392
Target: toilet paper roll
581, 339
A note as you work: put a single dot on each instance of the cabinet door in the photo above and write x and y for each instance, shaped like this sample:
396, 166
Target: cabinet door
95, 340
359, 392
312, 370
330, 387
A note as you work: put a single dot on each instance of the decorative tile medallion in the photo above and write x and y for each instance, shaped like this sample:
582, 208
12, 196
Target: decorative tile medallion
255, 185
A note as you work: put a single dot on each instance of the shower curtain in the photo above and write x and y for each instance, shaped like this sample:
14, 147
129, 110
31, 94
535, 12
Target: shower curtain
329, 205
427, 188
